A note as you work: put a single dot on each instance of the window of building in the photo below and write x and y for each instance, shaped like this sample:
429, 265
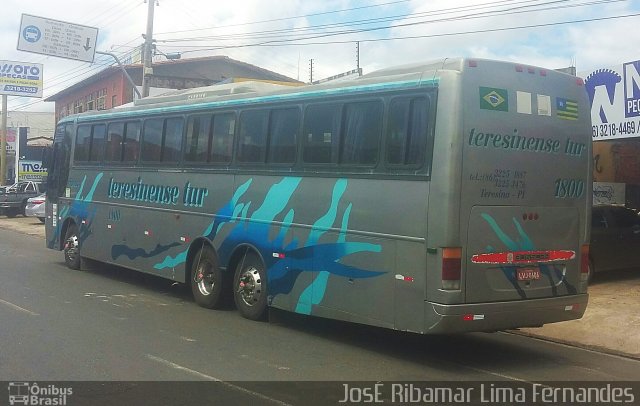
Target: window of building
91, 104
100, 99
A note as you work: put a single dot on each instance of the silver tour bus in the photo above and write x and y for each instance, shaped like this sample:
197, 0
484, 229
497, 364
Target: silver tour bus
435, 198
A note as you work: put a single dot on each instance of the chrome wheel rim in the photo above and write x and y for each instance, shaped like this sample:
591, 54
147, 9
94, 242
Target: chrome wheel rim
71, 248
204, 278
250, 286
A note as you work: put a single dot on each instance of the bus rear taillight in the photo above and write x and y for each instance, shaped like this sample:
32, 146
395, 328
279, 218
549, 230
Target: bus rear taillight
584, 262
451, 268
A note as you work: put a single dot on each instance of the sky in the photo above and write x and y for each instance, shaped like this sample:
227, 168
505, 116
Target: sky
286, 35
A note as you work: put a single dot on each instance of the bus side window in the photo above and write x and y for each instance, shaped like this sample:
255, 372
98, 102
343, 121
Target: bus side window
172, 140
362, 127
152, 140
406, 137
320, 133
97, 143
252, 140
224, 127
115, 138
131, 142
283, 134
197, 139
83, 144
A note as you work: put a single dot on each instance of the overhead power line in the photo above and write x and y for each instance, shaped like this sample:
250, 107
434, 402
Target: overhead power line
286, 18
482, 9
296, 41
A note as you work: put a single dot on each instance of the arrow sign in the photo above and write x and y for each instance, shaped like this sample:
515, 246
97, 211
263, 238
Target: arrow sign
87, 46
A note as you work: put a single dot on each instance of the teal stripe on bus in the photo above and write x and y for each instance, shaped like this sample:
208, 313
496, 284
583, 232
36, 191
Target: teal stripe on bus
263, 99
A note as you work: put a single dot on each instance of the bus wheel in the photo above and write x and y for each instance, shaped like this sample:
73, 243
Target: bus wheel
72, 247
206, 279
250, 293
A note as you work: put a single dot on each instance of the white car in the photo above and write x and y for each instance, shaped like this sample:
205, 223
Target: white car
35, 207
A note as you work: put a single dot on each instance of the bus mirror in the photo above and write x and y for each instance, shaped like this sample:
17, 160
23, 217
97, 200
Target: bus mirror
47, 153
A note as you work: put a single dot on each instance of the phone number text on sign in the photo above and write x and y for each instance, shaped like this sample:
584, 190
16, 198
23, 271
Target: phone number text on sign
623, 129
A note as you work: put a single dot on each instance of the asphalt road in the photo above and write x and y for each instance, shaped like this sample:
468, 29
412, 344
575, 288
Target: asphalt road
110, 324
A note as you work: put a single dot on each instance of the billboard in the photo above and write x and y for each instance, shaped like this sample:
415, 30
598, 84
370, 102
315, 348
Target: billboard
614, 94
21, 79
31, 170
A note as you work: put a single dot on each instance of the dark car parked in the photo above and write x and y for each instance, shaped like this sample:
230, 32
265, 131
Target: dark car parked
615, 238
13, 199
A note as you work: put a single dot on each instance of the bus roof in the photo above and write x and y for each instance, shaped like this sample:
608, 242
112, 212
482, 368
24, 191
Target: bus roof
411, 75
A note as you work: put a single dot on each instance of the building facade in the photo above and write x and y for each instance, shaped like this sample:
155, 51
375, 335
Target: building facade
111, 88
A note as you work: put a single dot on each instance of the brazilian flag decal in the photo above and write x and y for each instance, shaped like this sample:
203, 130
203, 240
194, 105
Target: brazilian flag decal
492, 98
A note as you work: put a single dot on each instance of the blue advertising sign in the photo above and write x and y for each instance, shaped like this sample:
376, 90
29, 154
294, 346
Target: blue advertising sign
614, 94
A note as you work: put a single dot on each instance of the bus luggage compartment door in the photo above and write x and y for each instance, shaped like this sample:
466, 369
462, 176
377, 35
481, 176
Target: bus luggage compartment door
519, 253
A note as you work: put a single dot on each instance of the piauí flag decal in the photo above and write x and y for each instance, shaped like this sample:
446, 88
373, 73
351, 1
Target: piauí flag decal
567, 109
492, 98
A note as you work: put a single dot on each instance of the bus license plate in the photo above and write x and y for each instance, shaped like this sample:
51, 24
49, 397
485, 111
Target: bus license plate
528, 274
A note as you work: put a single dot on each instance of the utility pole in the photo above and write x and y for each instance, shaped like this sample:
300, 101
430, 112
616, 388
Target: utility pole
147, 69
311, 71
3, 142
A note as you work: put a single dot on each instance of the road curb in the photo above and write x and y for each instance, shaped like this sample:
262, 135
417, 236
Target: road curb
591, 347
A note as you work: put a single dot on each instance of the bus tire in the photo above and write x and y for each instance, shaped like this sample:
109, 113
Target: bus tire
206, 279
250, 287
71, 247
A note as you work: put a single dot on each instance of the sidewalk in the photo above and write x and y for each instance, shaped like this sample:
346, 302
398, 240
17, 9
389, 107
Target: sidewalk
610, 324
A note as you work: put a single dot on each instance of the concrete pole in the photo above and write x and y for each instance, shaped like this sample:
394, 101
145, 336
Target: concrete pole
147, 70
3, 142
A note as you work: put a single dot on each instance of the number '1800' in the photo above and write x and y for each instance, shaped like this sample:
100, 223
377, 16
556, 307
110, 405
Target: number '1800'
569, 188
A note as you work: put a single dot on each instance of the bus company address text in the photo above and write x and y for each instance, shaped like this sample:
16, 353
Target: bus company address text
504, 183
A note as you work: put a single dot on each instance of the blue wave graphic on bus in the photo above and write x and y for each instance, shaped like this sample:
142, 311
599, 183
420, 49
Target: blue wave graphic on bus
291, 260
523, 243
131, 253
81, 208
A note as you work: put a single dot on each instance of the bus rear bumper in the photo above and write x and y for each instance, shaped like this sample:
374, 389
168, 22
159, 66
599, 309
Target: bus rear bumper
442, 318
